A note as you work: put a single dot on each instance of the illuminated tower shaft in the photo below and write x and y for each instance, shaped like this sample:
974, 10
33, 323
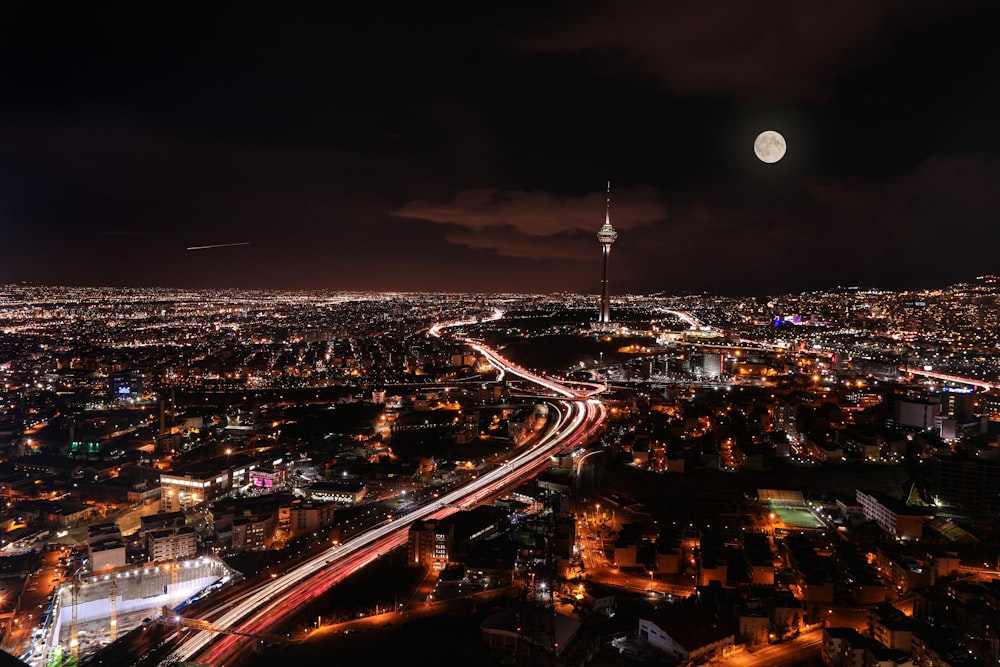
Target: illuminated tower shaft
605, 295
607, 235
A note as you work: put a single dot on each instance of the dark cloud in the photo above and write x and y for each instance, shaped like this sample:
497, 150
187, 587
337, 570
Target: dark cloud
429, 148
937, 219
508, 242
941, 190
784, 49
138, 200
536, 224
894, 231
108, 175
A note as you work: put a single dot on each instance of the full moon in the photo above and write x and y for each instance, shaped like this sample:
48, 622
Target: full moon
769, 146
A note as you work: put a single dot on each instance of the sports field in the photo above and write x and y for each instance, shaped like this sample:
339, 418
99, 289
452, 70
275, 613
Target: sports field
796, 517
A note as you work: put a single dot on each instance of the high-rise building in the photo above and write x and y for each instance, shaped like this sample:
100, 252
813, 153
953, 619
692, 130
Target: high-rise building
957, 403
969, 483
125, 386
429, 543
607, 235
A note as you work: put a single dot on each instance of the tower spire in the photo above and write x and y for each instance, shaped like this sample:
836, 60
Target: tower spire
607, 216
606, 236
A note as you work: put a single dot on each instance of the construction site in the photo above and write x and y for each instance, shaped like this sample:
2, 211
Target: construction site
94, 610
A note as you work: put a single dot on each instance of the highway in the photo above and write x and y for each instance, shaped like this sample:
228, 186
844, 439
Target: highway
982, 384
905, 370
575, 419
687, 318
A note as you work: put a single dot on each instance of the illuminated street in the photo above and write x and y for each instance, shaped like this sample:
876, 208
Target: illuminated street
571, 334
267, 607
803, 649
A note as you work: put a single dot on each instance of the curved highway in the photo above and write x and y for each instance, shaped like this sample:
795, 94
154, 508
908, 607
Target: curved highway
577, 417
905, 369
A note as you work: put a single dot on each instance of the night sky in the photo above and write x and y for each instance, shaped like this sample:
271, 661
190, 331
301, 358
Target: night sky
466, 147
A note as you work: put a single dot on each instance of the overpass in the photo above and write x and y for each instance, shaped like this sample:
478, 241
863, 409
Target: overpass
947, 377
577, 417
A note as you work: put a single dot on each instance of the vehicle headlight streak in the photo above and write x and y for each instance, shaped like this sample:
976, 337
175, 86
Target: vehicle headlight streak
577, 418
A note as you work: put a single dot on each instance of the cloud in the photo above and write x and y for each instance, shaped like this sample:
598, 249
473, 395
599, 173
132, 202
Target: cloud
943, 195
509, 243
786, 49
536, 224
931, 224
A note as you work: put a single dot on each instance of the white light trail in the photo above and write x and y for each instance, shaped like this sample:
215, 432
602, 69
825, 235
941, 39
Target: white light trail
217, 245
576, 421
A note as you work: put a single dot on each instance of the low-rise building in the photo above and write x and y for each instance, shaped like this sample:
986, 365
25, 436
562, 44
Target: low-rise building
172, 520
891, 515
842, 647
305, 518
345, 492
891, 627
105, 547
668, 555
903, 571
252, 533
171, 544
183, 490
625, 553
538, 637
754, 625
687, 632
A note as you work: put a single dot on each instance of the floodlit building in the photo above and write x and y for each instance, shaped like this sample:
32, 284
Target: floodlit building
125, 386
916, 414
179, 491
345, 492
203, 482
429, 543
138, 593
105, 546
891, 515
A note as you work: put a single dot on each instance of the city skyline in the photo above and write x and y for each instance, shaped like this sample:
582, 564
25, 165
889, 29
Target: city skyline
443, 465
461, 150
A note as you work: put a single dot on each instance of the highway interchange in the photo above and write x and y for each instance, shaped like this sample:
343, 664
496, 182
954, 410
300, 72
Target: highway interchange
575, 417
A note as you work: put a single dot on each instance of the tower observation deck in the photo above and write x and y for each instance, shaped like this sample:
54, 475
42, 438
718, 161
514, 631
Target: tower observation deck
606, 236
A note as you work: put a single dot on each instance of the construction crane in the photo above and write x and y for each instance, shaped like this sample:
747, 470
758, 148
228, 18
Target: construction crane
170, 617
74, 637
114, 609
